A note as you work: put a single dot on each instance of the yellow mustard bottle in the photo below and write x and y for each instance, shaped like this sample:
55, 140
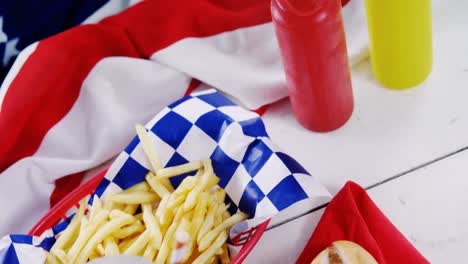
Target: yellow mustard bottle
400, 36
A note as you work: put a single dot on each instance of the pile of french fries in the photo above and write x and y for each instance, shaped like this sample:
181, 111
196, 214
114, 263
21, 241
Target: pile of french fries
187, 225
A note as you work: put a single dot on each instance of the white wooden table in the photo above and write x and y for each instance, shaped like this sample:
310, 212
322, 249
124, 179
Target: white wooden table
408, 148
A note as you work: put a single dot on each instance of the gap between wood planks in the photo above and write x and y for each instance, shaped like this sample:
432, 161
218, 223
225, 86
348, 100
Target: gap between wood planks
375, 185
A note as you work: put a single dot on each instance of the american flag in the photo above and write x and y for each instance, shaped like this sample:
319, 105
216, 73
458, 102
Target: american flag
23, 22
69, 103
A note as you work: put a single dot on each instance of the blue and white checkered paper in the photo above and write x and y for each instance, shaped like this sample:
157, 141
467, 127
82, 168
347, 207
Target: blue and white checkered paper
258, 179
25, 249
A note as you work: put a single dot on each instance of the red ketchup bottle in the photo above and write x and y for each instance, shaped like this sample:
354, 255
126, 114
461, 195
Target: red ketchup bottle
312, 44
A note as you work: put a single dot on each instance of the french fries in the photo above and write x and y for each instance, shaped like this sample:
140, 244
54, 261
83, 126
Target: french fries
139, 245
136, 197
207, 239
187, 225
155, 235
129, 230
110, 247
224, 257
208, 222
149, 151
157, 186
126, 243
150, 252
211, 251
177, 170
72, 230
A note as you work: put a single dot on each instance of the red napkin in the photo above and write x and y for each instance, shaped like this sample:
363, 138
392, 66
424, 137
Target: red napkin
352, 216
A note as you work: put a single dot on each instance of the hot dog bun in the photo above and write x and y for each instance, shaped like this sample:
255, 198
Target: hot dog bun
344, 252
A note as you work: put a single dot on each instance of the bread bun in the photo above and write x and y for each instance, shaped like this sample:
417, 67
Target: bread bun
344, 252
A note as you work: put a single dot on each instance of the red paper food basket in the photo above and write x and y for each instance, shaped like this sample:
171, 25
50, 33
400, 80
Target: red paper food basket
247, 239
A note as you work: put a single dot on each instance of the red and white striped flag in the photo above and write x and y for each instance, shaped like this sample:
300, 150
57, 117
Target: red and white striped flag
70, 102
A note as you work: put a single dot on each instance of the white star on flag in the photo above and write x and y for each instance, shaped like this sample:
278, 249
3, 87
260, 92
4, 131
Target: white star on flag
3, 36
10, 50
10, 46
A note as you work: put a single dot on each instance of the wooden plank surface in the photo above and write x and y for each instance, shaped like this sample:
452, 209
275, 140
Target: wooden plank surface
409, 146
429, 206
390, 131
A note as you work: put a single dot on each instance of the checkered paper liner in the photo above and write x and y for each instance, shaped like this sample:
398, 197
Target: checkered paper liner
258, 179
